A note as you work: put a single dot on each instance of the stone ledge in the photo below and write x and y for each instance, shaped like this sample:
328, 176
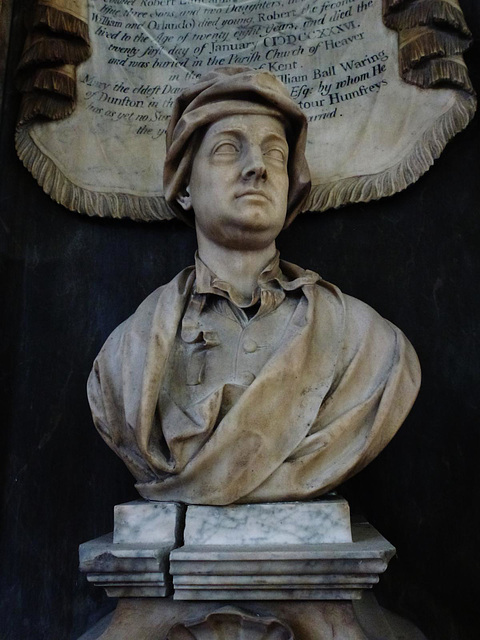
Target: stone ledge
329, 571
127, 570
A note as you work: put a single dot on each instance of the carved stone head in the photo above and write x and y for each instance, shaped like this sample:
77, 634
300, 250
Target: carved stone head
253, 108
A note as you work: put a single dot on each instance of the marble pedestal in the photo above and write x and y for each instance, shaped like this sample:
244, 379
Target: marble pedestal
317, 571
272, 571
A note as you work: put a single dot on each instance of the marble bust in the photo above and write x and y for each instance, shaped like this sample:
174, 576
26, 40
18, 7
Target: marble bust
246, 378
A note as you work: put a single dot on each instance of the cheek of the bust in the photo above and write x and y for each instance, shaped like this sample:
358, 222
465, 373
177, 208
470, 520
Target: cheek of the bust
280, 188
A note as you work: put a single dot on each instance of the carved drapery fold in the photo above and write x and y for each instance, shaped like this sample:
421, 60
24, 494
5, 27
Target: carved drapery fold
432, 35
57, 41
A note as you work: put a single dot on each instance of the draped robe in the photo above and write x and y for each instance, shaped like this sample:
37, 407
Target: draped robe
325, 403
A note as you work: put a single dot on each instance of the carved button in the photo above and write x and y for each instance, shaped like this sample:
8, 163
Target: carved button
246, 378
249, 346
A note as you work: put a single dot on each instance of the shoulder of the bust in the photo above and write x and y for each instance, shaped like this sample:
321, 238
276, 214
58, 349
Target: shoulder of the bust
353, 306
359, 318
360, 309
325, 290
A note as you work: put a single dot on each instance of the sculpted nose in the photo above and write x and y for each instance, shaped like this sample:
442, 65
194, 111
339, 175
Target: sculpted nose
254, 165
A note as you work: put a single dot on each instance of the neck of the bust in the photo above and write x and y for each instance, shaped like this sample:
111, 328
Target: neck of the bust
239, 267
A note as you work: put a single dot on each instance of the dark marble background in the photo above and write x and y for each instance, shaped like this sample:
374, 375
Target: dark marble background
67, 280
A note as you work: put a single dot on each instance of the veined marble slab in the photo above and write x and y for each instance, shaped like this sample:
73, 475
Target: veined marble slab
140, 522
279, 523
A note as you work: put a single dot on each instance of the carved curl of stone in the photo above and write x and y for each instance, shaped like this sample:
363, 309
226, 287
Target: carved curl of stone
230, 623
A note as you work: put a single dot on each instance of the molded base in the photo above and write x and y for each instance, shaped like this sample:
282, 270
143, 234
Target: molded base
152, 619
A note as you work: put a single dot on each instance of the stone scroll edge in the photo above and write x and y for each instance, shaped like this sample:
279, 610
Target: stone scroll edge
432, 35
406, 172
331, 195
76, 198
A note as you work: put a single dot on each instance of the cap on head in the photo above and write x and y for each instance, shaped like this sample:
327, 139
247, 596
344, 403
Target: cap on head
225, 92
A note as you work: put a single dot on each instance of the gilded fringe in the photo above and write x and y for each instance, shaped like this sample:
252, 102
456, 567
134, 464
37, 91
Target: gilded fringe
433, 74
426, 44
395, 5
430, 33
47, 49
424, 60
428, 12
424, 152
60, 80
43, 105
322, 197
56, 43
60, 22
76, 198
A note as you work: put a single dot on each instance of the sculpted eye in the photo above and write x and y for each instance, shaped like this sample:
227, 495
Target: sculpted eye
225, 149
275, 153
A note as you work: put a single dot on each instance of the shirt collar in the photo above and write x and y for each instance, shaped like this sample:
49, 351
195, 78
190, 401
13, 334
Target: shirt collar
270, 290
277, 278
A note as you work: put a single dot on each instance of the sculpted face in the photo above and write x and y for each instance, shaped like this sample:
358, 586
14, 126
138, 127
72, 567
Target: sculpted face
238, 186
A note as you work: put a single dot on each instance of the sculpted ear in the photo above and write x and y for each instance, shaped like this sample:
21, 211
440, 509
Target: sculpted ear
185, 200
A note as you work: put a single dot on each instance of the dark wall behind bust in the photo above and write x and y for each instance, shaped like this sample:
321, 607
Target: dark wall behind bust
68, 280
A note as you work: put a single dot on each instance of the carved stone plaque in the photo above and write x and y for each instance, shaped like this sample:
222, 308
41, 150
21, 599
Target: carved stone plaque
371, 133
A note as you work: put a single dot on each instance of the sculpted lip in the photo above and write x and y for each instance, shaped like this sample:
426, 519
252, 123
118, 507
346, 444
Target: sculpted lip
253, 192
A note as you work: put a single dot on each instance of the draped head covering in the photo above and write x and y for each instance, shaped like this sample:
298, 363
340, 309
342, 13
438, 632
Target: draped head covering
225, 92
